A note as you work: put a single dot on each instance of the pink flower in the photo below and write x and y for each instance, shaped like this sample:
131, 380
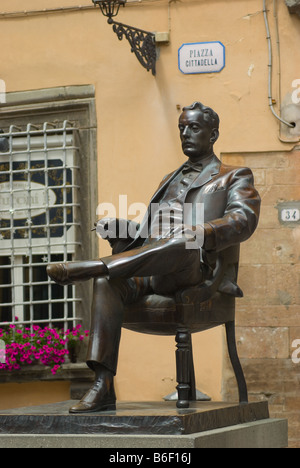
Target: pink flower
55, 369
46, 346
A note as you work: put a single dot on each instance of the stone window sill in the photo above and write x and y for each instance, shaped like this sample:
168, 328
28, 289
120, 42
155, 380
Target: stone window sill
71, 372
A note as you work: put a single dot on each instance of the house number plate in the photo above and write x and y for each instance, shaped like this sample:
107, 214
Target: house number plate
290, 215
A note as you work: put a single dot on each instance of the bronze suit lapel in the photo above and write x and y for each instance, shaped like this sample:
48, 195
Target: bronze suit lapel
204, 177
165, 183
213, 168
143, 231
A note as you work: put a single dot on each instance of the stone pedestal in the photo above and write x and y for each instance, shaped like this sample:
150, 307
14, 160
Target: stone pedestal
131, 418
144, 425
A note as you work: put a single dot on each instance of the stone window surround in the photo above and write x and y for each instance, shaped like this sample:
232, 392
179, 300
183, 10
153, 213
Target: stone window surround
59, 102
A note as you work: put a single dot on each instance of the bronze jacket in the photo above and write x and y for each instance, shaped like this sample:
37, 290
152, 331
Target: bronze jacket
231, 215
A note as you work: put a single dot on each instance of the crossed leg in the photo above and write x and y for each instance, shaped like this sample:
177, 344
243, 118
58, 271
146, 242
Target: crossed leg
161, 267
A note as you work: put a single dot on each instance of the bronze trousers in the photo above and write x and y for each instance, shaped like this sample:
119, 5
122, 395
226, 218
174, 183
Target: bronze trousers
161, 267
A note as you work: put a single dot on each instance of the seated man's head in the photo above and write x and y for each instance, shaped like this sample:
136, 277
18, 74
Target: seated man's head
199, 130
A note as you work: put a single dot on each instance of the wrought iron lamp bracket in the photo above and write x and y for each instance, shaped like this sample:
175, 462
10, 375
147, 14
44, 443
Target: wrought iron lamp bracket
142, 42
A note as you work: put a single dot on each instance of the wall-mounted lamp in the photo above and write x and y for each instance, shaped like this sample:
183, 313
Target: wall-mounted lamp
142, 42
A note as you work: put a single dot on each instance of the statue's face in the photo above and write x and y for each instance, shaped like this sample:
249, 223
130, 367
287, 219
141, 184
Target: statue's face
196, 135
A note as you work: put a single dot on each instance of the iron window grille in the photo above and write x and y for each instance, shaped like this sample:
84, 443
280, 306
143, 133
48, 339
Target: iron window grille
39, 223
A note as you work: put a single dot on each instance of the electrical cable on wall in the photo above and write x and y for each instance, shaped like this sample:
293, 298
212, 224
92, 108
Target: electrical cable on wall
70, 9
270, 65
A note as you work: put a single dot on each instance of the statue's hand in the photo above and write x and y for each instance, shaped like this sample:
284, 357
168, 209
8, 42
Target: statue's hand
106, 228
194, 234
112, 229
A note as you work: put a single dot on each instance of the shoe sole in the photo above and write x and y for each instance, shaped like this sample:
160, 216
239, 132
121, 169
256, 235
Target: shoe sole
108, 407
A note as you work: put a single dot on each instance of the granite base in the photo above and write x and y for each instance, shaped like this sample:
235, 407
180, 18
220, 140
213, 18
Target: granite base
152, 418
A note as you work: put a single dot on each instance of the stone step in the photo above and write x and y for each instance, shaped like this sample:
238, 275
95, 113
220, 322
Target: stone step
269, 433
141, 425
152, 418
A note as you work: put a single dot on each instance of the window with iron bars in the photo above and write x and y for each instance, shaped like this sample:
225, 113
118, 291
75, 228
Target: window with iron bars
39, 223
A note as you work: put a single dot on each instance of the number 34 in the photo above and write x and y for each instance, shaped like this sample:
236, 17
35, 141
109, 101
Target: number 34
292, 215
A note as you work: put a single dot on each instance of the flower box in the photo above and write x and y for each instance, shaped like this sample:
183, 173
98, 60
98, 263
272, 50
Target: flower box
49, 347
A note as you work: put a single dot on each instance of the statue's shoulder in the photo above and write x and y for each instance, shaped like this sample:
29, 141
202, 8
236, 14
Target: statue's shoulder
226, 169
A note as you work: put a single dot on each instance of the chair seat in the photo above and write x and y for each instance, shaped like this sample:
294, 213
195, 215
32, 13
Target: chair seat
163, 315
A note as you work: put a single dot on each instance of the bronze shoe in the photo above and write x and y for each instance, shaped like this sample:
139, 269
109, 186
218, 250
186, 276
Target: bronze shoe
59, 274
69, 273
98, 398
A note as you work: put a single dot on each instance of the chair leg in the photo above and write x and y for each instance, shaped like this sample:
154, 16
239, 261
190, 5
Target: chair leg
235, 361
183, 363
192, 379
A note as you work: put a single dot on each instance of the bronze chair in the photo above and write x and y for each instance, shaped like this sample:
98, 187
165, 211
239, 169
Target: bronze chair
191, 311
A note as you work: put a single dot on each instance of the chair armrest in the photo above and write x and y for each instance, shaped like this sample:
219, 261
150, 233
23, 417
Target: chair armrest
206, 290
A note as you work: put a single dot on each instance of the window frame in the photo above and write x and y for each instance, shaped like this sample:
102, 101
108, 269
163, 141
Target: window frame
75, 104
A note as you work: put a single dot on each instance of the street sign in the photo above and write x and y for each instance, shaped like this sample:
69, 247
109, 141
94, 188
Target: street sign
201, 57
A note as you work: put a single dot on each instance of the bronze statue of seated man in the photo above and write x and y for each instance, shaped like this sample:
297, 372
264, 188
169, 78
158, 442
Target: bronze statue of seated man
165, 253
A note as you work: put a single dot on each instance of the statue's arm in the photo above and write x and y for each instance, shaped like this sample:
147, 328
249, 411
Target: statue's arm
241, 215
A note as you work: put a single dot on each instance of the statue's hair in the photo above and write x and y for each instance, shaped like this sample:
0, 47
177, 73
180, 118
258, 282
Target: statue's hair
210, 116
